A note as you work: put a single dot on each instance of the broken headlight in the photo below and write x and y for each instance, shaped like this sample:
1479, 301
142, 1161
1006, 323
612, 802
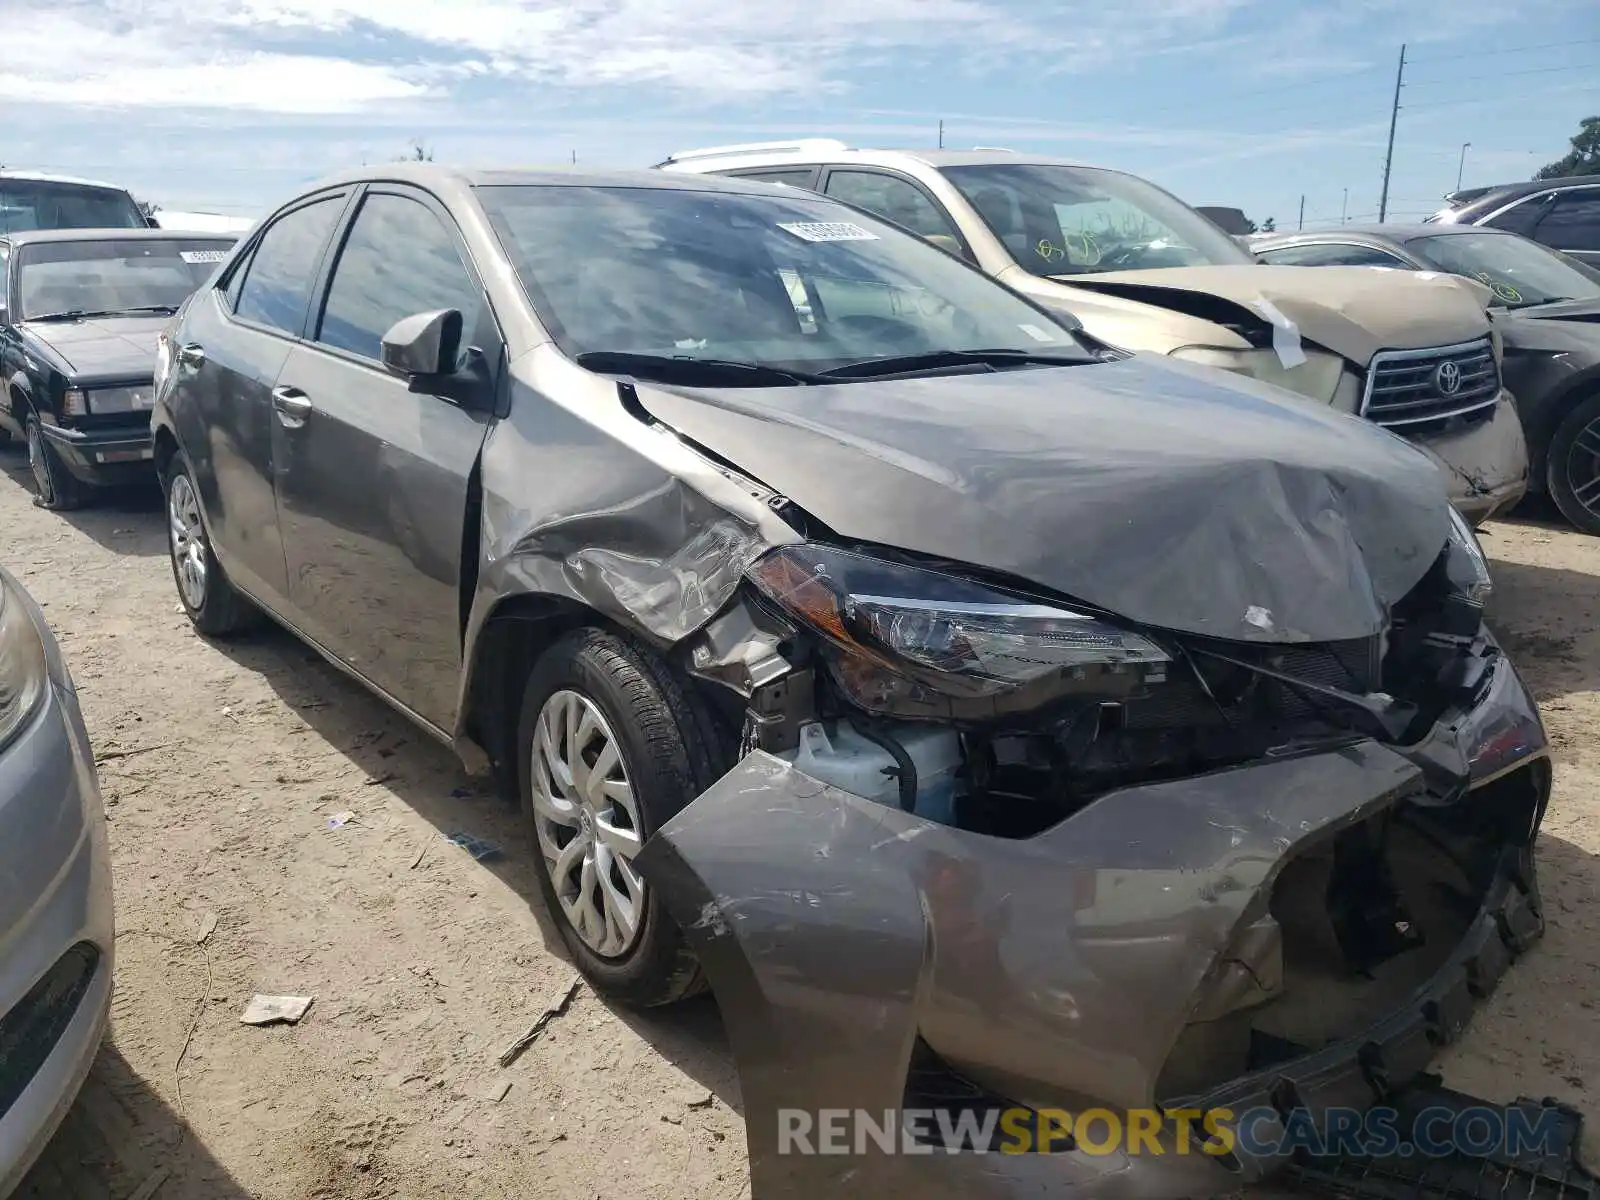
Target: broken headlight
911, 642
1317, 377
1465, 565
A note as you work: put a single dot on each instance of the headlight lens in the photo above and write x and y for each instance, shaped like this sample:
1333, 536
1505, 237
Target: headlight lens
1317, 377
24, 671
1465, 564
913, 642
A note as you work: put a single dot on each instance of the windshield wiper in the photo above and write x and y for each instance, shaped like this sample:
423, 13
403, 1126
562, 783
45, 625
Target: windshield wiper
82, 314
625, 362
900, 364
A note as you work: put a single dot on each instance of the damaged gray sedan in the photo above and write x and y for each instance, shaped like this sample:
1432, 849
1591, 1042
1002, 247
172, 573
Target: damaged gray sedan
990, 718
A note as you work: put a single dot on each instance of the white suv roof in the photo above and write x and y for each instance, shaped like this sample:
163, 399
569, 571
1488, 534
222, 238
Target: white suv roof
807, 151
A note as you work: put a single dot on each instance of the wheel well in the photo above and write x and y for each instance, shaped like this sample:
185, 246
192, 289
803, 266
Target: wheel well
519, 630
165, 450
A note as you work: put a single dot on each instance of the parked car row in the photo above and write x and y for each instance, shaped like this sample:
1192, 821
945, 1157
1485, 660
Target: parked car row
837, 571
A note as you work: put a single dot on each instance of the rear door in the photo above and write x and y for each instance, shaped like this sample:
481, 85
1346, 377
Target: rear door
233, 342
373, 476
1571, 224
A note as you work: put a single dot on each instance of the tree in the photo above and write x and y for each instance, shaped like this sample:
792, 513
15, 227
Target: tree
148, 209
1270, 225
1582, 159
417, 153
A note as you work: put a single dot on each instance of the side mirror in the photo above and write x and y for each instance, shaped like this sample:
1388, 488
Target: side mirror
424, 344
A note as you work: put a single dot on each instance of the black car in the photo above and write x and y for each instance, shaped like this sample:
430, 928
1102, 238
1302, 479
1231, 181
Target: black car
80, 311
1563, 214
1547, 309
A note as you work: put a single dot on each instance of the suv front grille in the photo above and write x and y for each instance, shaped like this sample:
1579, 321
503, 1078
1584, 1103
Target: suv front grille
1406, 388
30, 1031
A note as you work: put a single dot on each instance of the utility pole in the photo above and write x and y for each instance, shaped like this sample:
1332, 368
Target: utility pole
1302, 224
574, 158
1344, 208
1461, 167
1388, 157
941, 135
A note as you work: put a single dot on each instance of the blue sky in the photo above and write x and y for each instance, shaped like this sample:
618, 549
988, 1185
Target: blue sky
230, 105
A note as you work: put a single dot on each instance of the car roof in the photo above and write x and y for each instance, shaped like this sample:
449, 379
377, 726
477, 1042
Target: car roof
812, 150
1501, 193
433, 175
28, 237
46, 177
1393, 232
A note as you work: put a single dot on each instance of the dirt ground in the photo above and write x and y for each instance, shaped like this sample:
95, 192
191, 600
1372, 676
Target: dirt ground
221, 767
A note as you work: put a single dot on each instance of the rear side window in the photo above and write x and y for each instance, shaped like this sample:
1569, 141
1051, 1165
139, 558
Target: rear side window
277, 285
804, 177
399, 260
1573, 221
1324, 255
1522, 216
896, 200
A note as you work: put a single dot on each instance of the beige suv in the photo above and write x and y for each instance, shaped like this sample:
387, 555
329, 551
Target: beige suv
1140, 269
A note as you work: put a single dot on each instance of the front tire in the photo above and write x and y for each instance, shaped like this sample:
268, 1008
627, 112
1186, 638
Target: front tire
56, 487
610, 745
1573, 466
211, 602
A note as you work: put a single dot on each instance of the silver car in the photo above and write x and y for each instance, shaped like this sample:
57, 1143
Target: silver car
56, 943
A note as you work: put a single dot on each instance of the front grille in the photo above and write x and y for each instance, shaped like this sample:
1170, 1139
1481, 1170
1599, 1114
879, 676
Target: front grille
30, 1031
1406, 388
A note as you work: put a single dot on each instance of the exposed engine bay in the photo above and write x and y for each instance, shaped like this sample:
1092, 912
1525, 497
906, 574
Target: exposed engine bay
1121, 707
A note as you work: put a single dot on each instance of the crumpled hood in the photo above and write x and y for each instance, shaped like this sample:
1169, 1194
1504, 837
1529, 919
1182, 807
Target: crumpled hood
1353, 311
1177, 497
103, 345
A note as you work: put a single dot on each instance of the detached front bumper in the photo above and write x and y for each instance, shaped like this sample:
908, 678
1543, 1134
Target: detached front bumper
845, 941
1486, 466
57, 943
104, 457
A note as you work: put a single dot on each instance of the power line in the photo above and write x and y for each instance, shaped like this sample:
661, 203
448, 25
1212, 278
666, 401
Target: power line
1474, 99
1505, 74
1513, 50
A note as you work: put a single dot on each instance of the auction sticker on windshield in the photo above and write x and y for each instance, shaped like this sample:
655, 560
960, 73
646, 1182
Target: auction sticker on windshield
202, 256
828, 231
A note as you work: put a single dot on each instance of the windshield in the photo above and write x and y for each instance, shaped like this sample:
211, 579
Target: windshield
64, 278
787, 282
40, 204
1062, 220
1519, 272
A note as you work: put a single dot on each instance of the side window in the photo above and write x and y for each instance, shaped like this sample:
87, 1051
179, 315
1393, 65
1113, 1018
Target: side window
1327, 255
804, 177
895, 200
1573, 221
398, 260
1522, 216
277, 284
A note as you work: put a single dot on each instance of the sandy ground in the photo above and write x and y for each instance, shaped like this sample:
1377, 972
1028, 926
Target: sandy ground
222, 767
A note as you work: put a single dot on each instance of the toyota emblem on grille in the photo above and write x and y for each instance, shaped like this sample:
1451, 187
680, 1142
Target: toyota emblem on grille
1447, 379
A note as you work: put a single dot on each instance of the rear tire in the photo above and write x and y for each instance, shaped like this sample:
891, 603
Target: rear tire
210, 601
668, 748
1572, 468
56, 487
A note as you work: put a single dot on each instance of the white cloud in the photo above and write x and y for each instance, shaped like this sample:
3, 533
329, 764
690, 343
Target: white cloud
310, 56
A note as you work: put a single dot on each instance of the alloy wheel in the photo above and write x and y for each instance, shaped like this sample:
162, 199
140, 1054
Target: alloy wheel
1583, 467
186, 538
587, 823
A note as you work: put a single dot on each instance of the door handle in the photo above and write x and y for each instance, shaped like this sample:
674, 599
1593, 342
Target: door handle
191, 355
292, 406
